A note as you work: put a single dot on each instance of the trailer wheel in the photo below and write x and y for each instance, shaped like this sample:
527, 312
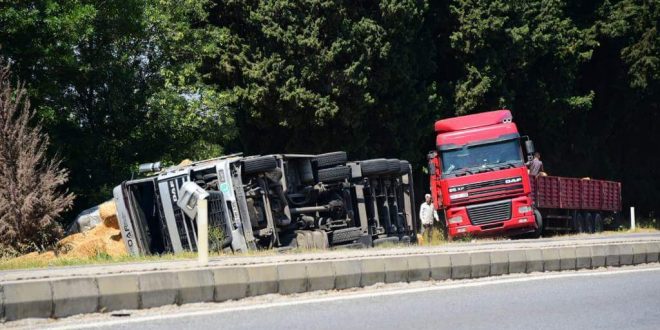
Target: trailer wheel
374, 166
330, 159
259, 164
588, 223
578, 223
334, 174
598, 223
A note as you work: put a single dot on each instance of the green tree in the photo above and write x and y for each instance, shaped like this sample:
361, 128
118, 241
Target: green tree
305, 76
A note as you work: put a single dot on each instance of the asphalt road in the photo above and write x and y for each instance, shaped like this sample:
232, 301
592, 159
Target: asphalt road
619, 299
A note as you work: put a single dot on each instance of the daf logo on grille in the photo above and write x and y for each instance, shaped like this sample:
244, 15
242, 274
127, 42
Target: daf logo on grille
513, 180
455, 189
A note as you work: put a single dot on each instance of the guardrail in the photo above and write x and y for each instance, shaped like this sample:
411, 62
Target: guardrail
60, 297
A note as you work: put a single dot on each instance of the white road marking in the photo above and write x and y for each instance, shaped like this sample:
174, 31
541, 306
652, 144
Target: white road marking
474, 283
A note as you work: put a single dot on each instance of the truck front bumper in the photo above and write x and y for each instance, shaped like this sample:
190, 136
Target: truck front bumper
518, 223
514, 226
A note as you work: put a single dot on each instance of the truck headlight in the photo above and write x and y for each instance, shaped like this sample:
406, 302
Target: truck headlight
524, 209
459, 195
456, 219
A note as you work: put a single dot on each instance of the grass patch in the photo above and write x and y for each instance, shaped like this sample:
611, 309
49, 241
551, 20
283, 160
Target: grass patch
27, 262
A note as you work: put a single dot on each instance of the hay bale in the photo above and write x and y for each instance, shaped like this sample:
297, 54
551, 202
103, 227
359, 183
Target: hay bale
108, 214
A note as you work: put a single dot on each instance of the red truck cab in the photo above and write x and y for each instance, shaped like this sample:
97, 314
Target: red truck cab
478, 176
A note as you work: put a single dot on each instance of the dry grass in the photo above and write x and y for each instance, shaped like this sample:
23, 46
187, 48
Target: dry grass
101, 258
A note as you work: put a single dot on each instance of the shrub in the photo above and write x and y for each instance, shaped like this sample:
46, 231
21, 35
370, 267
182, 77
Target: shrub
31, 194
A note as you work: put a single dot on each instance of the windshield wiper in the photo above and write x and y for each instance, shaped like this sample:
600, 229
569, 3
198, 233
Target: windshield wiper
462, 172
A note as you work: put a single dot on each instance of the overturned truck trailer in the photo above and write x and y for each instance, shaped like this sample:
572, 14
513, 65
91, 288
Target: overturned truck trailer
274, 201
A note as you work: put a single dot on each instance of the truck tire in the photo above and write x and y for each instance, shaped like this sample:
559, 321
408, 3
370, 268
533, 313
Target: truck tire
539, 223
259, 164
334, 174
373, 167
598, 223
345, 235
386, 240
330, 159
393, 166
405, 167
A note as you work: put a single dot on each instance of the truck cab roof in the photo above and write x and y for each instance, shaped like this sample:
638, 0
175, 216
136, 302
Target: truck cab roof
473, 121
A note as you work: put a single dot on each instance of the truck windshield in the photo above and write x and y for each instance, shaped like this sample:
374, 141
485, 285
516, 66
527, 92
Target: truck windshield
472, 159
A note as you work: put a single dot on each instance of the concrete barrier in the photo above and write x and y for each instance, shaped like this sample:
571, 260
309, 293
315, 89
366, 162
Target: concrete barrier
460, 266
419, 268
195, 286
582, 257
84, 294
517, 261
230, 283
479, 264
626, 254
292, 278
27, 299
567, 258
158, 289
652, 252
534, 259
499, 263
639, 254
373, 271
599, 256
551, 260
262, 280
612, 256
118, 292
74, 296
348, 274
441, 268
321, 276
396, 269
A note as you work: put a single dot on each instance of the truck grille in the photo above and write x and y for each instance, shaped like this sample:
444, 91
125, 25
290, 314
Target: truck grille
489, 212
217, 220
484, 184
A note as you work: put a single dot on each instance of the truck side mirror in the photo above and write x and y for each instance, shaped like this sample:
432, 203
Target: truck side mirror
189, 194
529, 147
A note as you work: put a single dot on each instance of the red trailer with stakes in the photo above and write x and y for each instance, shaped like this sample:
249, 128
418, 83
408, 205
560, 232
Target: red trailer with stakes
575, 204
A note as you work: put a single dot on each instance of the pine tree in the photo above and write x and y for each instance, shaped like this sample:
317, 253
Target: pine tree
31, 197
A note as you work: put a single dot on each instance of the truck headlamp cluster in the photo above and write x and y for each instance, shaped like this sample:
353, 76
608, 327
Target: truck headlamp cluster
459, 195
456, 219
524, 209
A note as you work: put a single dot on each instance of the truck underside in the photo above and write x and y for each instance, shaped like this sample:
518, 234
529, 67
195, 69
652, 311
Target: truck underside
275, 201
